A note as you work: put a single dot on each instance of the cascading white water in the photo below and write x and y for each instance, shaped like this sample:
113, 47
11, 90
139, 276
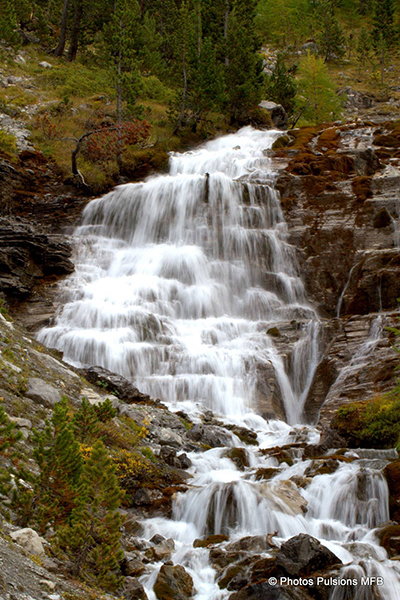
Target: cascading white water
177, 281
178, 278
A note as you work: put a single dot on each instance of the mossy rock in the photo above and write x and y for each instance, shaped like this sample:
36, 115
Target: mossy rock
282, 142
389, 538
210, 540
361, 187
382, 219
274, 332
230, 573
238, 456
392, 474
266, 473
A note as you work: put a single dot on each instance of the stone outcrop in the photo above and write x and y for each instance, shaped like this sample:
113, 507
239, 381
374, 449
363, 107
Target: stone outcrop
339, 189
303, 555
27, 256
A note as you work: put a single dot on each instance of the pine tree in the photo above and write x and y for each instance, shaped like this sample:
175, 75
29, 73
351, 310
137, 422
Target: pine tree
92, 539
383, 24
318, 100
59, 458
8, 22
86, 423
364, 47
281, 87
331, 40
244, 77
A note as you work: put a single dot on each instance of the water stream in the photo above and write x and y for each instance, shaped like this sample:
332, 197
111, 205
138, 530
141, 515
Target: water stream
177, 281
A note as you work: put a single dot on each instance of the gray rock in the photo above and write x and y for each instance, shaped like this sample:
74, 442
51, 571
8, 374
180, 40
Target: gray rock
41, 392
29, 540
45, 65
173, 582
302, 555
133, 589
278, 114
20, 422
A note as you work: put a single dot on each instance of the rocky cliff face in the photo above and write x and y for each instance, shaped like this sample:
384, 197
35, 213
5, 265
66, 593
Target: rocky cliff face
340, 194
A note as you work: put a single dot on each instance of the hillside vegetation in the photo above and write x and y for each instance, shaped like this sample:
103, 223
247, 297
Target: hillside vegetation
139, 79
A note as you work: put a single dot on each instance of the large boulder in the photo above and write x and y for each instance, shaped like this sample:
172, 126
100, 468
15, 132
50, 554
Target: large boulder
173, 583
133, 589
29, 540
303, 555
115, 384
42, 393
277, 113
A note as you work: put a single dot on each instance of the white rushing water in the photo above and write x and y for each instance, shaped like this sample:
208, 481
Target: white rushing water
177, 281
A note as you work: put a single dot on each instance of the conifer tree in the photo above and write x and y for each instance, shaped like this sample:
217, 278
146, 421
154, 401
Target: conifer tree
244, 77
364, 47
58, 455
8, 22
86, 423
331, 40
383, 24
92, 538
318, 100
281, 87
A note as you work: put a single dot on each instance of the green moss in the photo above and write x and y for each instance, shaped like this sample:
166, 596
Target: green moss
374, 424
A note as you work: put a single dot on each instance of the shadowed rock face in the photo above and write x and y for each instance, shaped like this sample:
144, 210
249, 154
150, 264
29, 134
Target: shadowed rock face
27, 256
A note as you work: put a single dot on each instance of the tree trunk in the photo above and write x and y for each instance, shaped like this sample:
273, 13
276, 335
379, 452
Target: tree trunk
59, 51
75, 30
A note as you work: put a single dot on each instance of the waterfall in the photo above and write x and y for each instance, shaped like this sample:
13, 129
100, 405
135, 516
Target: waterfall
178, 279
182, 284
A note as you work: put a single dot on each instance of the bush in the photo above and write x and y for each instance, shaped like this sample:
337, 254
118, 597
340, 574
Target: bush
374, 424
154, 89
8, 142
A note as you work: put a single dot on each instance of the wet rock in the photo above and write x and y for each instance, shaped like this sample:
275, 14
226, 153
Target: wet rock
133, 589
167, 437
173, 582
29, 540
131, 566
209, 435
145, 497
265, 591
382, 219
287, 491
389, 538
41, 392
392, 474
277, 113
169, 455
266, 473
115, 384
163, 548
253, 544
302, 555
238, 456
210, 540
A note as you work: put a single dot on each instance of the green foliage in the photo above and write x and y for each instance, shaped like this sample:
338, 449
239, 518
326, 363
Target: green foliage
374, 424
92, 538
8, 22
8, 438
364, 48
7, 142
284, 22
244, 77
383, 23
86, 423
281, 86
331, 40
58, 455
105, 411
317, 99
